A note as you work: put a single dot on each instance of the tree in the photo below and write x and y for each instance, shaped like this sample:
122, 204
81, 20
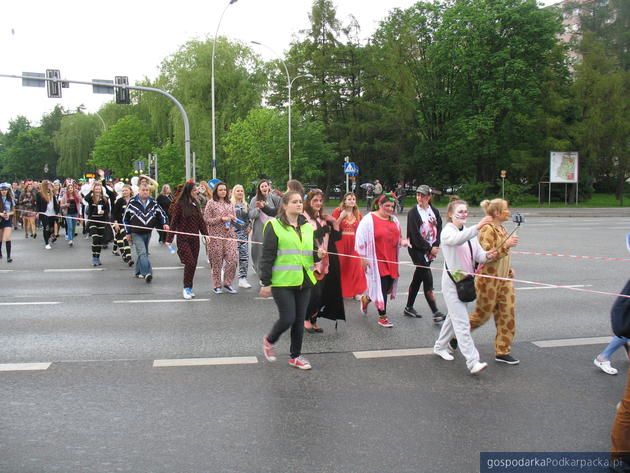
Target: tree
331, 53
74, 142
124, 142
30, 156
239, 83
257, 147
602, 95
476, 68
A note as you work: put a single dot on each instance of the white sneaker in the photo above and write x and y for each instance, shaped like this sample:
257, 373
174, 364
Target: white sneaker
605, 366
444, 354
48, 247
242, 282
478, 367
187, 293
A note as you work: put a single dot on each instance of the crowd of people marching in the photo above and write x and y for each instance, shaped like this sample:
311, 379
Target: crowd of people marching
308, 260
349, 255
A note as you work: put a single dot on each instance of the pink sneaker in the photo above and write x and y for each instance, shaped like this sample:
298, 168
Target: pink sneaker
300, 362
268, 350
384, 322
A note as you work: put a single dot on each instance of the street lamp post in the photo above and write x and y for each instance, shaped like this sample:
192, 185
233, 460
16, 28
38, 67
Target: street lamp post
214, 133
83, 107
289, 87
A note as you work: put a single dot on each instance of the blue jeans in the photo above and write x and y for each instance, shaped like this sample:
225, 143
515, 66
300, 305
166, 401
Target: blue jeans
613, 346
140, 242
71, 224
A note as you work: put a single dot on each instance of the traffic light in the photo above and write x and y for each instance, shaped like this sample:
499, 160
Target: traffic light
53, 88
122, 94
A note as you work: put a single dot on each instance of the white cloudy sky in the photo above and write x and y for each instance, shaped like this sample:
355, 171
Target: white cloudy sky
87, 39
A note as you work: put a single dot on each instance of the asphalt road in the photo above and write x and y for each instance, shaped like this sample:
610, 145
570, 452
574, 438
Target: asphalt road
104, 404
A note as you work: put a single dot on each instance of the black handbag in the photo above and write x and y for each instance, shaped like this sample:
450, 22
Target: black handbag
465, 287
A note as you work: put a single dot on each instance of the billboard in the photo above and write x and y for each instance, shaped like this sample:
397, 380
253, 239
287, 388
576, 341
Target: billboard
563, 166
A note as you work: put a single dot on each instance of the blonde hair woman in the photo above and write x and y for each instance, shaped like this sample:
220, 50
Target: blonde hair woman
495, 296
241, 231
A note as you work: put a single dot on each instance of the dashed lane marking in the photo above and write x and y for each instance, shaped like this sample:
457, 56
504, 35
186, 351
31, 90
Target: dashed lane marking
24, 366
571, 342
28, 303
234, 360
532, 288
75, 270
159, 301
392, 353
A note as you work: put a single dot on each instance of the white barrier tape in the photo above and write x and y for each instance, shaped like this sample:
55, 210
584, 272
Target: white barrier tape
524, 281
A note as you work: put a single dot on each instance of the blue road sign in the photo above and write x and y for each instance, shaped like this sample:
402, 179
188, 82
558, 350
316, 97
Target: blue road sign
351, 169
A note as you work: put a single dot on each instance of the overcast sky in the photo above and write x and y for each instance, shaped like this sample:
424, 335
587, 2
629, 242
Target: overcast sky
88, 40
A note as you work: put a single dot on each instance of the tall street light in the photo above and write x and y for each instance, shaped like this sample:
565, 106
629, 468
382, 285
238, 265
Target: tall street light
214, 133
289, 87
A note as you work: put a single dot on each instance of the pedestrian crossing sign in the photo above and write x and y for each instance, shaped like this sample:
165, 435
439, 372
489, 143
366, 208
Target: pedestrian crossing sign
351, 169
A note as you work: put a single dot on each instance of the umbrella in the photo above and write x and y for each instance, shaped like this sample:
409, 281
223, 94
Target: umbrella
367, 185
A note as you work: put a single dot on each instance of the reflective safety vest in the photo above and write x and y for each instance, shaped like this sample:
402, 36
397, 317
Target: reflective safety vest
295, 255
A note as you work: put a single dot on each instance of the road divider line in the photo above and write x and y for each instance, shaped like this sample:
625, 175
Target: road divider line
536, 288
28, 303
158, 301
24, 366
234, 360
69, 270
361, 355
571, 342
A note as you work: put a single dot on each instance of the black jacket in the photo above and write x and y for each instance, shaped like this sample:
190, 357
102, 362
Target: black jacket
419, 246
42, 203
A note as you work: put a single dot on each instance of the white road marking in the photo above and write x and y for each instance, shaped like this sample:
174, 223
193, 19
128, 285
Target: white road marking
173, 267
530, 288
24, 366
28, 303
76, 270
571, 342
392, 353
234, 360
6, 270
159, 301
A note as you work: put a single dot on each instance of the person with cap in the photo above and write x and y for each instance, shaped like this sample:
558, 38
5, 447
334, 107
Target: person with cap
7, 209
424, 225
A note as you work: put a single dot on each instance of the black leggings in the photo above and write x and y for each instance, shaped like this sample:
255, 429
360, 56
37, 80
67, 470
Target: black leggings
292, 303
48, 224
386, 284
424, 277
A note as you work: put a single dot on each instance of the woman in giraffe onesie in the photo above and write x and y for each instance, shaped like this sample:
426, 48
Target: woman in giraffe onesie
496, 296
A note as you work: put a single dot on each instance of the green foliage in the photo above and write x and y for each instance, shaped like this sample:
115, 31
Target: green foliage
74, 142
514, 193
474, 192
29, 154
257, 146
126, 141
171, 164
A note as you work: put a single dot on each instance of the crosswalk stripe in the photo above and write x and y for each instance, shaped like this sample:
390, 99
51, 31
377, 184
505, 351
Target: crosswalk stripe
234, 360
570, 342
392, 353
24, 366
158, 301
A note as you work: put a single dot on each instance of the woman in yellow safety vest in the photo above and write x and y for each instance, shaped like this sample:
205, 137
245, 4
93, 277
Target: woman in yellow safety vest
286, 272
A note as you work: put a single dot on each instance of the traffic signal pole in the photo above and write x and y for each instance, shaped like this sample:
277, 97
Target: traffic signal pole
124, 86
